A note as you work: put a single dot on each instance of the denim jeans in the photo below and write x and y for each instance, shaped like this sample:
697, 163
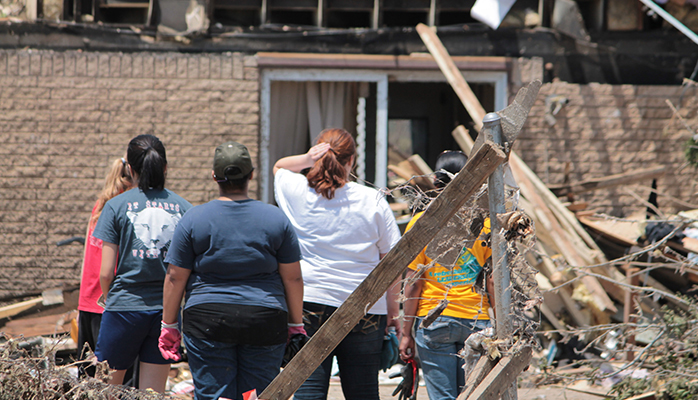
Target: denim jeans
437, 348
228, 370
358, 356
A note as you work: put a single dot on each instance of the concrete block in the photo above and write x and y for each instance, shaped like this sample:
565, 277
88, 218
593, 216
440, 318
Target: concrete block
34, 63
126, 65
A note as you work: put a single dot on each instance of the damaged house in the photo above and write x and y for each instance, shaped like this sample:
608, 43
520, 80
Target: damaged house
79, 78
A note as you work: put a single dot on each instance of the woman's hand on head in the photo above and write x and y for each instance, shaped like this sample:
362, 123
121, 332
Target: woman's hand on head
317, 151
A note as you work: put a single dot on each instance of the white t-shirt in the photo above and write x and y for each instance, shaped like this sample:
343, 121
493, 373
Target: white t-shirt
341, 239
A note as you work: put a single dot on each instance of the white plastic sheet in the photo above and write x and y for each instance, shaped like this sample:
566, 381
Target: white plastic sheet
491, 12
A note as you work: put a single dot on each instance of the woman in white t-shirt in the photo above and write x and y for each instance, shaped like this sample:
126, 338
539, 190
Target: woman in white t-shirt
344, 229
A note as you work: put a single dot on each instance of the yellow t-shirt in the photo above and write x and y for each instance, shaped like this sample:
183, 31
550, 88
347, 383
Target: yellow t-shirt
463, 301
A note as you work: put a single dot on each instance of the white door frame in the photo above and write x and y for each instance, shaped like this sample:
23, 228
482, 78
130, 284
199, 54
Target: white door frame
326, 75
498, 79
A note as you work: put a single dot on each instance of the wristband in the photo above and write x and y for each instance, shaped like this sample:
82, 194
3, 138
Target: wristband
163, 325
296, 325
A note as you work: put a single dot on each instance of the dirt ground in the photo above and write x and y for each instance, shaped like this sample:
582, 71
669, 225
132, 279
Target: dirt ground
580, 390
545, 393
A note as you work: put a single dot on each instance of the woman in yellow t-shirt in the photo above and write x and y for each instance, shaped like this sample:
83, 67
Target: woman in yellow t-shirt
438, 344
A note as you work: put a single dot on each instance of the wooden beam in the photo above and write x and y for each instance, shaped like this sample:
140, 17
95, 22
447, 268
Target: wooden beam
483, 367
14, 309
462, 137
453, 75
390, 268
502, 376
608, 181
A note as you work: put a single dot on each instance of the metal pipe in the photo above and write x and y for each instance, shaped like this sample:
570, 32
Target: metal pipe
670, 19
500, 271
492, 125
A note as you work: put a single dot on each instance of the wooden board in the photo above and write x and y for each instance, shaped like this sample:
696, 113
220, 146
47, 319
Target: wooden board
14, 309
483, 367
610, 229
502, 376
441, 209
39, 326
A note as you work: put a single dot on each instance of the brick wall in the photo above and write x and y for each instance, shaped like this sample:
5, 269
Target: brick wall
607, 129
65, 115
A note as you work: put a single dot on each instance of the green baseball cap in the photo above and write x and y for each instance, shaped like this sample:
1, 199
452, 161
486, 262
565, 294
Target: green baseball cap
231, 161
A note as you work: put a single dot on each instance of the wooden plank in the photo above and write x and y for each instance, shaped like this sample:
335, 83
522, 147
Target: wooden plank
405, 170
421, 61
502, 376
550, 316
483, 367
441, 209
462, 137
419, 165
608, 181
549, 270
14, 309
645, 396
453, 75
605, 230
39, 326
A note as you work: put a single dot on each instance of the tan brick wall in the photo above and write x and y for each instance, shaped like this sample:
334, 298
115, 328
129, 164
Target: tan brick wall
612, 129
65, 115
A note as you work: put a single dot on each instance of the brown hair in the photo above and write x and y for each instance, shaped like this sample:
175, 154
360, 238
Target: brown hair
116, 182
329, 173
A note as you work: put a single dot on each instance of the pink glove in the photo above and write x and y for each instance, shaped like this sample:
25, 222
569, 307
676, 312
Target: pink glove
293, 330
169, 342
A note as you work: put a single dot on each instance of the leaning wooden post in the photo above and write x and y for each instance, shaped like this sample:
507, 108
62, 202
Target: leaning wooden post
440, 211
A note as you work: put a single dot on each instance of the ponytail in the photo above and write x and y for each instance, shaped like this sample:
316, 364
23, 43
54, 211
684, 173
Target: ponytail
329, 173
116, 182
146, 156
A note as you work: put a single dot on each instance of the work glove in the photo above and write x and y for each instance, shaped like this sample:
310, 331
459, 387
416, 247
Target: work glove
169, 342
407, 389
296, 330
297, 338
390, 352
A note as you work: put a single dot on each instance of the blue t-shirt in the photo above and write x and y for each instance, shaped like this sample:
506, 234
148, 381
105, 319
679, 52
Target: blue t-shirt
234, 249
142, 225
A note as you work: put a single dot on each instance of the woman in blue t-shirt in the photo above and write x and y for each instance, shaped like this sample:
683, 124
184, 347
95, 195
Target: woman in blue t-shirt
136, 228
237, 260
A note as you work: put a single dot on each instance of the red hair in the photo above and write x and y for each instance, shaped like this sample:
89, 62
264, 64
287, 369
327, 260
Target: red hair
329, 173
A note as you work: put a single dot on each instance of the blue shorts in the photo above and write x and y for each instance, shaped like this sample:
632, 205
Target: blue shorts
123, 335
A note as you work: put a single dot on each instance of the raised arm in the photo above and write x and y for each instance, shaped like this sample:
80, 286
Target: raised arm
300, 162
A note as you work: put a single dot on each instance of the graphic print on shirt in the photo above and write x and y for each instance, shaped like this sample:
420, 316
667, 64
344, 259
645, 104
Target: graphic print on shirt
154, 228
465, 271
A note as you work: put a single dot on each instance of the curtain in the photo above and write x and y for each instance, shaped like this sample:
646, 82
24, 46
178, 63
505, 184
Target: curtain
299, 111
